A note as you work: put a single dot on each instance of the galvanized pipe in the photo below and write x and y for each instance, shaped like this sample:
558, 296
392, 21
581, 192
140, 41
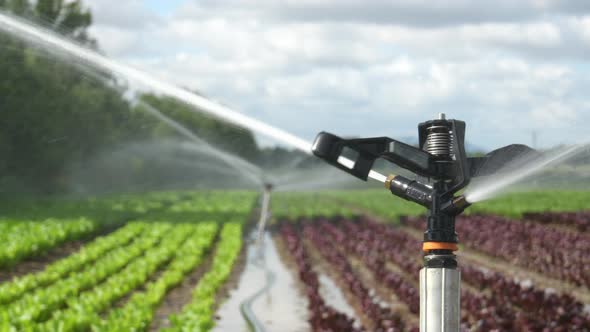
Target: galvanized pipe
440, 303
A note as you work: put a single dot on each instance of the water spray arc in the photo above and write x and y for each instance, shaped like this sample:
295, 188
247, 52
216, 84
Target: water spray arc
63, 47
513, 172
39, 35
253, 172
443, 169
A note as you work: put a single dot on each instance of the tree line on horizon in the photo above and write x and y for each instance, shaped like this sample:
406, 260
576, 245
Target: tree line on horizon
55, 113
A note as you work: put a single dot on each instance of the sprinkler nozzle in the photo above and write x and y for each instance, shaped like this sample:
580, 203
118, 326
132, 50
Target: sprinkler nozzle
268, 186
456, 206
410, 190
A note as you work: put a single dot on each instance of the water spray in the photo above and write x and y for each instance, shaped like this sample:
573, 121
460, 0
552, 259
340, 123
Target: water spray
442, 169
61, 46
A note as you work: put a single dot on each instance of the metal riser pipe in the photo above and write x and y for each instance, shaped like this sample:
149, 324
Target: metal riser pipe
440, 291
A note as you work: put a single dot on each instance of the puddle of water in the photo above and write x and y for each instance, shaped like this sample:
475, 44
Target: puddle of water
252, 279
334, 297
282, 308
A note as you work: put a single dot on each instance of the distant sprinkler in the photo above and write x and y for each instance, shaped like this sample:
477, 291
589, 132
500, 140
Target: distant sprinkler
443, 169
268, 187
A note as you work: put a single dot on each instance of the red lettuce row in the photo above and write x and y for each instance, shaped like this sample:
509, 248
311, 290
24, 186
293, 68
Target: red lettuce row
554, 252
383, 318
323, 317
577, 220
509, 304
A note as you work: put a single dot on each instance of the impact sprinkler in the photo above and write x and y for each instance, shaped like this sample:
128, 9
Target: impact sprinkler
442, 169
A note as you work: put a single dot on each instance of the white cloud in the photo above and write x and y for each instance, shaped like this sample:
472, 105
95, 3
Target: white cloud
583, 26
308, 70
554, 115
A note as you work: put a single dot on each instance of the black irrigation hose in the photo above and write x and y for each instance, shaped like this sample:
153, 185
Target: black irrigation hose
246, 306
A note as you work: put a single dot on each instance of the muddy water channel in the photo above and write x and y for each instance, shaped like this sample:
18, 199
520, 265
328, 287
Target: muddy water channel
281, 308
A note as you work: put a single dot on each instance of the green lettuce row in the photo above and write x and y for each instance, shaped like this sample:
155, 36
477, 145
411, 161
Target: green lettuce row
38, 305
239, 203
286, 205
8, 226
84, 309
137, 314
198, 315
378, 202
14, 289
30, 238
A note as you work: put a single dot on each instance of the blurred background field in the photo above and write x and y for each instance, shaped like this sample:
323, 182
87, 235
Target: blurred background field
126, 204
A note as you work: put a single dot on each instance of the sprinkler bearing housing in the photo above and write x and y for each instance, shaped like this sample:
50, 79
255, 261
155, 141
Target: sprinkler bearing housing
442, 169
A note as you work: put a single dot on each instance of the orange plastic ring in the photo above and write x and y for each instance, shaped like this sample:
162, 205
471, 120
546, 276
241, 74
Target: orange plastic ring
439, 246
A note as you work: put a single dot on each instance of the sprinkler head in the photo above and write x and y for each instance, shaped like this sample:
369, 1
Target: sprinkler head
440, 163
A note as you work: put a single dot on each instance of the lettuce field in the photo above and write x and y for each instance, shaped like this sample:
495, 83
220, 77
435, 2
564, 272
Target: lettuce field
179, 261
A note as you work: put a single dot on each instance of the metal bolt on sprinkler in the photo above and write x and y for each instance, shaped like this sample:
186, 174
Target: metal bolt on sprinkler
442, 169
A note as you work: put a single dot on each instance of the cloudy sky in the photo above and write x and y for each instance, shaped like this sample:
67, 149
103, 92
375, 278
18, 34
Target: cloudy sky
370, 68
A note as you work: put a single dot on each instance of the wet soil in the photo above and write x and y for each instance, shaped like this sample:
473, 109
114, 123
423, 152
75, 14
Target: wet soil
322, 267
388, 296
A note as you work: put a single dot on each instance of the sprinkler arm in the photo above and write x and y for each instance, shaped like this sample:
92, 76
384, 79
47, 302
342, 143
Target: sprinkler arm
330, 147
495, 160
455, 173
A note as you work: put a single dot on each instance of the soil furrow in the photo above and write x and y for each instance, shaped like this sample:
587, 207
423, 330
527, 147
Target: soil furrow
323, 267
384, 293
181, 295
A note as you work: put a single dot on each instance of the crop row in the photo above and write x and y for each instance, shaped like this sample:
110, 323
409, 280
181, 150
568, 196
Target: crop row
14, 289
557, 253
82, 310
505, 303
379, 202
375, 252
23, 239
286, 205
39, 304
137, 313
560, 312
382, 203
382, 318
198, 314
577, 220
217, 201
323, 317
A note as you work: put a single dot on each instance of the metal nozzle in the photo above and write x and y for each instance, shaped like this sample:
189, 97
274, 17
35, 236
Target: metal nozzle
456, 206
461, 202
388, 181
